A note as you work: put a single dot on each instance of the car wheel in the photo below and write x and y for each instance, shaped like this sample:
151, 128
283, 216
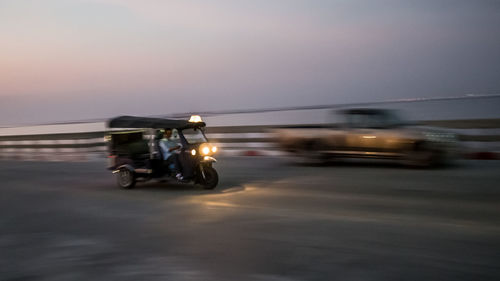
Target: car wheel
313, 154
421, 156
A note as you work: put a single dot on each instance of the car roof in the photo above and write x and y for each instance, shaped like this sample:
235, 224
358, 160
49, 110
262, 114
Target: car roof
149, 122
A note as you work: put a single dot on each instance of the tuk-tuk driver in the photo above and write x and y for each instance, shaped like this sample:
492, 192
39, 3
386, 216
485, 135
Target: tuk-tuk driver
168, 148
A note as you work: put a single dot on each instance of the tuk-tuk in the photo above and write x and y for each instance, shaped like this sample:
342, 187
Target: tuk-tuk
134, 151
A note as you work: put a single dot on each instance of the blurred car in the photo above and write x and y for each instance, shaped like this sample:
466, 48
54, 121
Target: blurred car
371, 133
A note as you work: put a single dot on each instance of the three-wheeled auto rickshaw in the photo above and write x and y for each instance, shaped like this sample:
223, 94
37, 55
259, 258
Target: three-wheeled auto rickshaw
134, 151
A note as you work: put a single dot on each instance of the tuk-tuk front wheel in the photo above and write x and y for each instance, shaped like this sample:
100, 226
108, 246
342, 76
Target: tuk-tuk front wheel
125, 178
208, 177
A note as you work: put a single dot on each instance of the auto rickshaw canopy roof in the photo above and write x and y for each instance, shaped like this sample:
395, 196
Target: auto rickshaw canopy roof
149, 122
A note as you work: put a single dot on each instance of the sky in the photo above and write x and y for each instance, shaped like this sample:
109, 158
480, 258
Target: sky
66, 60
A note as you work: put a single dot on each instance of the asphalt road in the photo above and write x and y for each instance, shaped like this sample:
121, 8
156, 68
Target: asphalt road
268, 220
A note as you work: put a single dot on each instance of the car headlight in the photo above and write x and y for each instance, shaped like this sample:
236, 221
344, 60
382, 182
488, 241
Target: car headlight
193, 152
214, 149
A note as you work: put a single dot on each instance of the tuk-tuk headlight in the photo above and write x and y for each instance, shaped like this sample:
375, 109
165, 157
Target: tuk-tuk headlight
214, 149
193, 152
205, 150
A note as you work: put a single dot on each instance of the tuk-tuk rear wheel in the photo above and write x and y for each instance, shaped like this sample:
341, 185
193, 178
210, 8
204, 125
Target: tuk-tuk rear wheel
125, 179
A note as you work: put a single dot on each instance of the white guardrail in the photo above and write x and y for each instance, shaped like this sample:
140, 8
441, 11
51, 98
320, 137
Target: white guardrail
86, 143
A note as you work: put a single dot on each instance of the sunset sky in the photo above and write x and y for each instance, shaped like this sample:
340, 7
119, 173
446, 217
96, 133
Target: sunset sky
66, 60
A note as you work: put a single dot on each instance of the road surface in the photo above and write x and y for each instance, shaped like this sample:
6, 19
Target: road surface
268, 220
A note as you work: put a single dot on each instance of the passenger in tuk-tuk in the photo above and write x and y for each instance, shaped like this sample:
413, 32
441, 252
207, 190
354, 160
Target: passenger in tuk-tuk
168, 149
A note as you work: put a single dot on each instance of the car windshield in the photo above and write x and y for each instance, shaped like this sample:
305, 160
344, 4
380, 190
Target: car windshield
374, 120
194, 135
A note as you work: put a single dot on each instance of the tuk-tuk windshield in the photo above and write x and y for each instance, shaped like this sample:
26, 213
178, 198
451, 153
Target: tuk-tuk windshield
194, 135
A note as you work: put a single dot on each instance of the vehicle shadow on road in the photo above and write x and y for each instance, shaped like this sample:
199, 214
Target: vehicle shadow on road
177, 188
372, 164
